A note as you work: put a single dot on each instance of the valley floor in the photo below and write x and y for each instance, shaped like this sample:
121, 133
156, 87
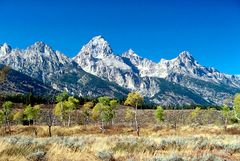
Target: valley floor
199, 143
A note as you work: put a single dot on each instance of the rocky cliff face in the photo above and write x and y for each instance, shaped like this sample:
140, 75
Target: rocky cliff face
97, 58
16, 82
42, 63
96, 70
130, 71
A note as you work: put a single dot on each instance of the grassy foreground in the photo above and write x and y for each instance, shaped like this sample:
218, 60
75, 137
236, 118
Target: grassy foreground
207, 143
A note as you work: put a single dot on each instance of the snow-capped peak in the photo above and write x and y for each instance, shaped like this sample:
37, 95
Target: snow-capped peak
129, 70
130, 53
97, 47
39, 61
40, 46
99, 38
185, 55
5, 48
98, 41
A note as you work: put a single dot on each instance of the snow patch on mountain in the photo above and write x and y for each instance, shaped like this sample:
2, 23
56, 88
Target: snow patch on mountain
39, 61
51, 67
129, 70
175, 81
97, 58
5, 49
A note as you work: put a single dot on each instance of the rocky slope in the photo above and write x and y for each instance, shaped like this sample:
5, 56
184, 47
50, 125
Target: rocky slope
42, 63
19, 83
97, 58
140, 74
96, 70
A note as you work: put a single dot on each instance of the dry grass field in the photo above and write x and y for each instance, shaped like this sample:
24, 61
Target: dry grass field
120, 143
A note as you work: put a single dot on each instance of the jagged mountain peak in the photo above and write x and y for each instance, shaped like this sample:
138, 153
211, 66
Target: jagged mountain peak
130, 71
98, 41
38, 60
5, 48
182, 58
97, 47
40, 46
98, 38
40, 51
40, 43
185, 55
130, 53
185, 61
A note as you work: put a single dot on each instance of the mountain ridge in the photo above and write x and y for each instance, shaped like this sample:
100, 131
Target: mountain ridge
51, 67
122, 73
130, 73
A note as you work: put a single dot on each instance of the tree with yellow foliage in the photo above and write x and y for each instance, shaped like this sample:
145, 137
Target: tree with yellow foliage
134, 99
236, 106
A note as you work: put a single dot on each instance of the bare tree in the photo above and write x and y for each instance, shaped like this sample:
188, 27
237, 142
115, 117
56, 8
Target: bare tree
50, 117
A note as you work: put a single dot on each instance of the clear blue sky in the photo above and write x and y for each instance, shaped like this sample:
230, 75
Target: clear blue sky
209, 29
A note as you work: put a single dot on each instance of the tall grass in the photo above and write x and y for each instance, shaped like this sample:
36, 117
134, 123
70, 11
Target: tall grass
121, 147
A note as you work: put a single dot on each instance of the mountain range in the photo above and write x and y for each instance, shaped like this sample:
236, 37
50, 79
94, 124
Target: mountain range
96, 70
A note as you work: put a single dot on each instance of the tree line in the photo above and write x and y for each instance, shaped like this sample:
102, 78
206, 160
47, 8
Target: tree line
102, 111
